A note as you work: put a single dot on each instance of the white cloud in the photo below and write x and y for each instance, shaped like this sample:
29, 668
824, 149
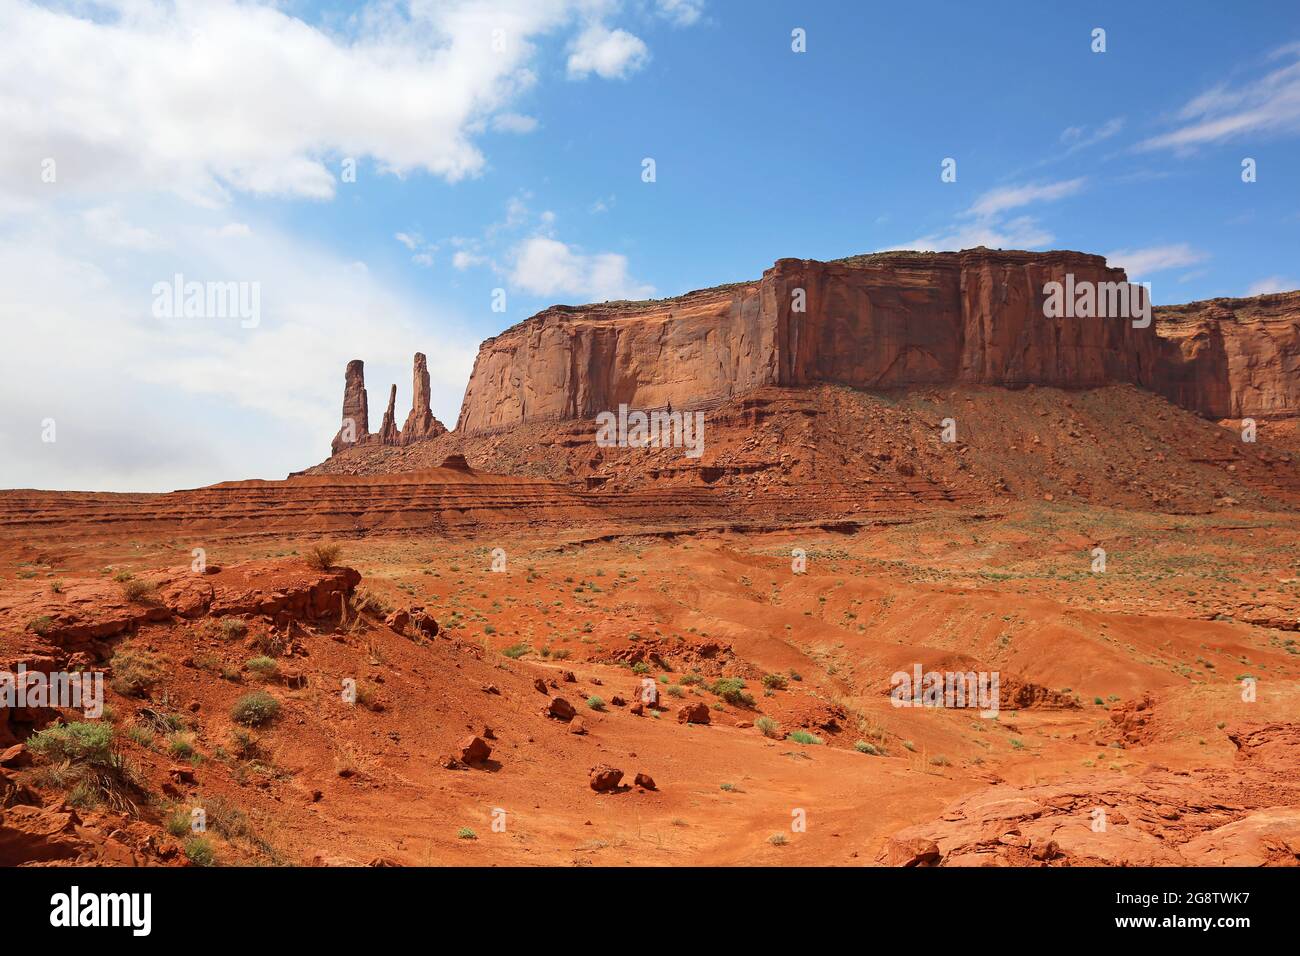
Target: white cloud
1142, 262
984, 224
682, 13
163, 117
463, 260
1269, 104
1272, 284
999, 200
152, 404
108, 225
611, 54
545, 266
514, 123
202, 99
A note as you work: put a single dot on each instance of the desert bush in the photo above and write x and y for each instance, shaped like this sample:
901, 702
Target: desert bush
263, 667
595, 703
198, 850
177, 823
516, 651
323, 554
775, 681
732, 690
245, 744
135, 671
138, 591
42, 624
804, 737
80, 741
181, 746
766, 726
86, 764
863, 747
233, 628
256, 709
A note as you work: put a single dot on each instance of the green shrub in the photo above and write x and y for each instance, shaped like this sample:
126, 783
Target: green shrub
41, 624
863, 747
181, 746
775, 681
515, 651
595, 703
465, 833
732, 690
256, 709
80, 742
804, 737
178, 823
198, 850
264, 667
766, 726
232, 628
85, 762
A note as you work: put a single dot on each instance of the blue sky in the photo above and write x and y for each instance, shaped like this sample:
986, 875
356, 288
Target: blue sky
499, 145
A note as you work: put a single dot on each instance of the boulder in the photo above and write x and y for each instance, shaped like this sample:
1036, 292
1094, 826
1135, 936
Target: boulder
605, 778
693, 714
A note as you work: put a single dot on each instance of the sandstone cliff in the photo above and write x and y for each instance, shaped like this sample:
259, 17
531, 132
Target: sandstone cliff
887, 320
1233, 358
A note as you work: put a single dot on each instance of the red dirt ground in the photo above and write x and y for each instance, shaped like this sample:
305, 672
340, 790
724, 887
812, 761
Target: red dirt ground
1122, 689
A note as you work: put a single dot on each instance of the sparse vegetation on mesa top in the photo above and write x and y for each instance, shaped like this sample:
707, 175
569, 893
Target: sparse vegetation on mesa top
323, 554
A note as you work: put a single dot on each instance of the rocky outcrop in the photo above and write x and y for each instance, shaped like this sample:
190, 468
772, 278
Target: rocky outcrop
388, 433
355, 430
881, 321
1232, 358
420, 423
884, 321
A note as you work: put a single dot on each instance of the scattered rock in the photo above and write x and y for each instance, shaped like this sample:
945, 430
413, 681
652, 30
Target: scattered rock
474, 750
693, 714
560, 709
605, 778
